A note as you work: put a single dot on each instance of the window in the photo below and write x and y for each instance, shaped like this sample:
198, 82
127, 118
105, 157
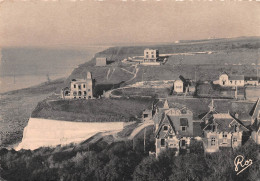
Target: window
213, 141
165, 128
224, 137
162, 142
234, 140
213, 127
79, 86
74, 93
89, 90
67, 93
183, 128
89, 97
85, 93
183, 143
171, 136
152, 56
79, 93
147, 56
145, 115
236, 128
84, 85
74, 86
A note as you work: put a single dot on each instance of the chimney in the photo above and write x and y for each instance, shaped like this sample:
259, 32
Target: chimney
89, 76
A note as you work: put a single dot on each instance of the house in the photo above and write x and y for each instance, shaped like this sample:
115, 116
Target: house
226, 80
183, 86
173, 128
151, 55
221, 130
251, 81
255, 122
178, 86
79, 89
101, 61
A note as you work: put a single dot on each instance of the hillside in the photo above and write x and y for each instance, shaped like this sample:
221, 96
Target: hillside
98, 110
236, 56
205, 65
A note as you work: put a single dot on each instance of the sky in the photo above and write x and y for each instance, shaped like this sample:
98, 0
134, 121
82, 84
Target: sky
90, 22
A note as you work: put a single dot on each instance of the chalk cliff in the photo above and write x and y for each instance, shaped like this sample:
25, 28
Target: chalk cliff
45, 132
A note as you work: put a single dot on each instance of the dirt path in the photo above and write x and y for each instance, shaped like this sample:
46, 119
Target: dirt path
140, 128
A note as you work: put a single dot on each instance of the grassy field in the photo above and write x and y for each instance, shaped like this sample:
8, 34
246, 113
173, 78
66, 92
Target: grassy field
97, 110
226, 53
141, 92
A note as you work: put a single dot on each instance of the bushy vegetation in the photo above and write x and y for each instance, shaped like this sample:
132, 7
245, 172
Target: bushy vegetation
119, 161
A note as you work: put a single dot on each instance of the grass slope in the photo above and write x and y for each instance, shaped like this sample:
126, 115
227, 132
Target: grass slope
98, 110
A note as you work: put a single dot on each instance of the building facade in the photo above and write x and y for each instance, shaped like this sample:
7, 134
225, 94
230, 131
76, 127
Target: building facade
221, 130
178, 86
79, 89
226, 80
151, 55
173, 129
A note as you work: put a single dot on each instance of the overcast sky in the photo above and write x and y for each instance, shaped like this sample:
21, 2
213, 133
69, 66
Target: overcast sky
65, 23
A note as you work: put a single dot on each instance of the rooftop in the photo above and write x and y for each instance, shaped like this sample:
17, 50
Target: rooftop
236, 77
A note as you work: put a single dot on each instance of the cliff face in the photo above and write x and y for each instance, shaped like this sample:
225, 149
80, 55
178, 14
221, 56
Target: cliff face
46, 132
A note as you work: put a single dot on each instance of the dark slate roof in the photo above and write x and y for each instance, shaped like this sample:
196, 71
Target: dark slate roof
236, 77
223, 123
197, 129
255, 107
221, 105
184, 122
251, 78
256, 125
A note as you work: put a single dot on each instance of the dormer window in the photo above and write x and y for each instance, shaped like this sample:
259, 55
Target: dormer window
165, 128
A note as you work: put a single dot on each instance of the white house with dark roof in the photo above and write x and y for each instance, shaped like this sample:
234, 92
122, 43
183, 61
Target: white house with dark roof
226, 80
221, 130
173, 128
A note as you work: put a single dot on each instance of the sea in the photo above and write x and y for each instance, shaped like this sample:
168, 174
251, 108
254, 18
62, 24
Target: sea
24, 67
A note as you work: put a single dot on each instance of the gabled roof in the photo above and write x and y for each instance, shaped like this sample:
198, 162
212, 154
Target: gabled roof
166, 105
224, 122
255, 108
164, 119
236, 77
